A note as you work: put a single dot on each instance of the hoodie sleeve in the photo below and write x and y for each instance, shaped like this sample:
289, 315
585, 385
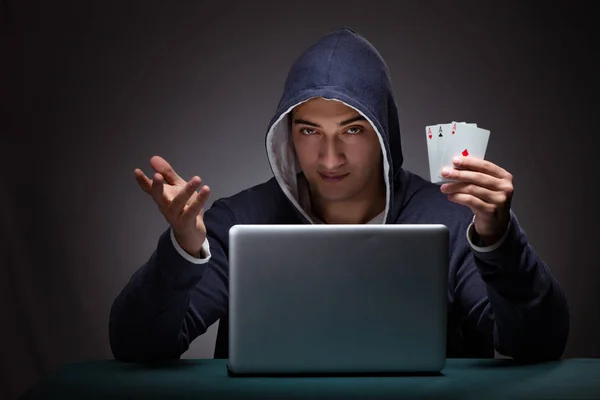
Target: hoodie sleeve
205, 251
172, 299
510, 291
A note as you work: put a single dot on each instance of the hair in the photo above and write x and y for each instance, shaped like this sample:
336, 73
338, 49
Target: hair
290, 120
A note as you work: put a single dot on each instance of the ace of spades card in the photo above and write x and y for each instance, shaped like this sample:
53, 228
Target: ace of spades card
446, 141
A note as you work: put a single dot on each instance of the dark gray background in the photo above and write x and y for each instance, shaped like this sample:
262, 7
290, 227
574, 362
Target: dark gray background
91, 90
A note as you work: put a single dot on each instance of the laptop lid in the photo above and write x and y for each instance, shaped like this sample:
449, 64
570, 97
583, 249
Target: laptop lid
337, 298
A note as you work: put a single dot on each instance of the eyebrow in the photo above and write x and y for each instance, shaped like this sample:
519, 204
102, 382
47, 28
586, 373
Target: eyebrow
346, 122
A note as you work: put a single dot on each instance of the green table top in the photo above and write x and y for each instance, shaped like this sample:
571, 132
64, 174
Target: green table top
461, 378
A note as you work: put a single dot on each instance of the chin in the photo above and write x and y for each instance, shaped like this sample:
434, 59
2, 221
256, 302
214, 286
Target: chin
339, 191
335, 194
335, 198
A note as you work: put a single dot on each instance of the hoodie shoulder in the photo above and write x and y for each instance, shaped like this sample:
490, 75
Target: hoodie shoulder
422, 202
264, 203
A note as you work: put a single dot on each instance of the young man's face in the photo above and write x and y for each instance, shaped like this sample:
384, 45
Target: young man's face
338, 151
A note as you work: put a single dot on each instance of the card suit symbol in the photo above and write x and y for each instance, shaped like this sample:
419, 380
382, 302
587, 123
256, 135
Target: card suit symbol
429, 133
453, 132
465, 152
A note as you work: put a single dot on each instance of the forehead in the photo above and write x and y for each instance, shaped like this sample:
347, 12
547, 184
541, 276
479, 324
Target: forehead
324, 108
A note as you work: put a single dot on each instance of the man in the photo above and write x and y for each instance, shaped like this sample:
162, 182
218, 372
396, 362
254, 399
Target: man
335, 152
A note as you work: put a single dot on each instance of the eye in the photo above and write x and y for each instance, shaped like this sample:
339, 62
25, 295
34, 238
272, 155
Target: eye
307, 131
354, 130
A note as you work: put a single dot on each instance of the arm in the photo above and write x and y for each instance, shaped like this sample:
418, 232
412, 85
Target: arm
507, 288
173, 298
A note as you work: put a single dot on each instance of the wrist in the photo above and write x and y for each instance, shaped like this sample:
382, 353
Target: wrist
193, 250
490, 239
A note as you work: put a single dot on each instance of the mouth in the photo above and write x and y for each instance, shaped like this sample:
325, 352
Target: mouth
332, 178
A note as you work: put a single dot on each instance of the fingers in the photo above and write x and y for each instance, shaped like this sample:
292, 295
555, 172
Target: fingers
488, 196
480, 165
484, 180
197, 205
157, 191
181, 199
144, 182
477, 178
161, 166
175, 207
476, 205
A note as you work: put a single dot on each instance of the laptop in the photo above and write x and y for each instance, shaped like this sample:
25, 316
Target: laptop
337, 299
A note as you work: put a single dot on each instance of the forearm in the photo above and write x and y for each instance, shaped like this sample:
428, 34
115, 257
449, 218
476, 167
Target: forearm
149, 319
535, 327
530, 309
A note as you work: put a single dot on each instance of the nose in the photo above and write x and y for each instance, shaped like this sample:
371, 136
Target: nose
331, 154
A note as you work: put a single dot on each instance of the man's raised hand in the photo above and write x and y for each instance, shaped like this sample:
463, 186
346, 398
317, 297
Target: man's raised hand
179, 202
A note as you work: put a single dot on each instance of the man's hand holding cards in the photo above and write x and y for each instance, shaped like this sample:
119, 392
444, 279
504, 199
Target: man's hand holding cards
446, 141
456, 159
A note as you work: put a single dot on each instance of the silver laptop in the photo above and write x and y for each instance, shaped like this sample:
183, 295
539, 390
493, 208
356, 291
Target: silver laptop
337, 299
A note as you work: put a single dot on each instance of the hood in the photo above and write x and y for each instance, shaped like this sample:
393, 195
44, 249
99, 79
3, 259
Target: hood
342, 66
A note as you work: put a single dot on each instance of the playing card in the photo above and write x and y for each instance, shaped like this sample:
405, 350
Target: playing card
436, 136
431, 132
463, 139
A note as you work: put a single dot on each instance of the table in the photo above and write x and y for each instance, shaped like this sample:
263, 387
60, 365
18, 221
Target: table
208, 378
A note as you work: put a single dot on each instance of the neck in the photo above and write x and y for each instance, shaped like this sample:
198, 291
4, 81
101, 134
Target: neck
356, 211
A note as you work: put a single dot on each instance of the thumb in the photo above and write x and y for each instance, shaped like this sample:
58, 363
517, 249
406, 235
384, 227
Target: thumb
164, 168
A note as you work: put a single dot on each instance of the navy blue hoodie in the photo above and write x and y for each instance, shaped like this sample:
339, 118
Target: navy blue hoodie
501, 297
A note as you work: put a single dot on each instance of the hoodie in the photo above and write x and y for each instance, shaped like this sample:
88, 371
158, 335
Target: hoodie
502, 297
